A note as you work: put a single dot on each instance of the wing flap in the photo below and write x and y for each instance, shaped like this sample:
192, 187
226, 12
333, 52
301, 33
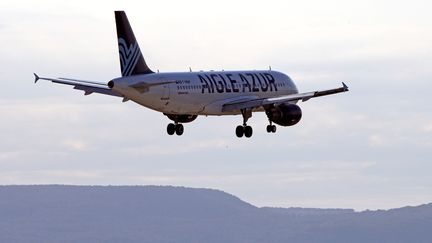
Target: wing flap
89, 90
242, 105
344, 88
253, 103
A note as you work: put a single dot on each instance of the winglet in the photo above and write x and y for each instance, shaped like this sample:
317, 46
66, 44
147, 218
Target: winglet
345, 87
36, 77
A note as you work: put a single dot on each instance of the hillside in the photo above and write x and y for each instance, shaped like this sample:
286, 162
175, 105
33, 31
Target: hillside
176, 214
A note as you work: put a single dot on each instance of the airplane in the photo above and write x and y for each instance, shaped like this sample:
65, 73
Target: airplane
183, 96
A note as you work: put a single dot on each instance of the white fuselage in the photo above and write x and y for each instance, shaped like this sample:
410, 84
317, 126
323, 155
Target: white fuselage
203, 93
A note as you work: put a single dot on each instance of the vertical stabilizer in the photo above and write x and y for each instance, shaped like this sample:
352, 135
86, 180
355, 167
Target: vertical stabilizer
131, 59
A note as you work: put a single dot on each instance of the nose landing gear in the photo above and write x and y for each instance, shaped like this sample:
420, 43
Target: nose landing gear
177, 126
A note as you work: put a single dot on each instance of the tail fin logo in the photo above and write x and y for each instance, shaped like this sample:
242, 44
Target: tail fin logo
129, 56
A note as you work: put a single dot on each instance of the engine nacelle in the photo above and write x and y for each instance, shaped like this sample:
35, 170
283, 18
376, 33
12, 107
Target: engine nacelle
181, 118
285, 114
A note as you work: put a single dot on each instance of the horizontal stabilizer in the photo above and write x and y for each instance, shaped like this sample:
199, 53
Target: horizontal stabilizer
36, 77
88, 87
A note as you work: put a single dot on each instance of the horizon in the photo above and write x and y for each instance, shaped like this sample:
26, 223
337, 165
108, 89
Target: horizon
212, 189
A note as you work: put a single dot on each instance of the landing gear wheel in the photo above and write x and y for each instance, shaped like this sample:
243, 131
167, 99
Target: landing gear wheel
269, 128
248, 131
171, 128
179, 129
240, 131
245, 129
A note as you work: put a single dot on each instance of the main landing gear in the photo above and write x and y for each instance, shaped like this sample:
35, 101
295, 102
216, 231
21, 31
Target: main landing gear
175, 128
245, 130
271, 128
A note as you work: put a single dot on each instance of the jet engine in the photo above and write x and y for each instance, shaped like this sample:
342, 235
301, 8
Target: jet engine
285, 114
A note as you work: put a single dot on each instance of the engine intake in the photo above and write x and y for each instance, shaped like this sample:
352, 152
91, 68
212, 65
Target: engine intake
111, 84
285, 114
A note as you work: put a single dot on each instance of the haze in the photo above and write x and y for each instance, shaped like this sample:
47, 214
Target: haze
368, 148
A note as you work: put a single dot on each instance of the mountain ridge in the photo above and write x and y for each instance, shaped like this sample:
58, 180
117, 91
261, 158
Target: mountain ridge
65, 213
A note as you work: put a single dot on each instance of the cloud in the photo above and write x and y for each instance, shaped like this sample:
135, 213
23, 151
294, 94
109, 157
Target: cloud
6, 156
185, 148
51, 176
428, 128
377, 140
77, 145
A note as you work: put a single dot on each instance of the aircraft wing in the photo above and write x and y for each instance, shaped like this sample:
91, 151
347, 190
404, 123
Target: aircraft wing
254, 103
88, 87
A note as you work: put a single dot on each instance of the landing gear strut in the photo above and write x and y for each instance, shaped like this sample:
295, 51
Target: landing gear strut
245, 130
175, 128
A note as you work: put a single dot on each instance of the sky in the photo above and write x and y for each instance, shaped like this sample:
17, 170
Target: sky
369, 148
